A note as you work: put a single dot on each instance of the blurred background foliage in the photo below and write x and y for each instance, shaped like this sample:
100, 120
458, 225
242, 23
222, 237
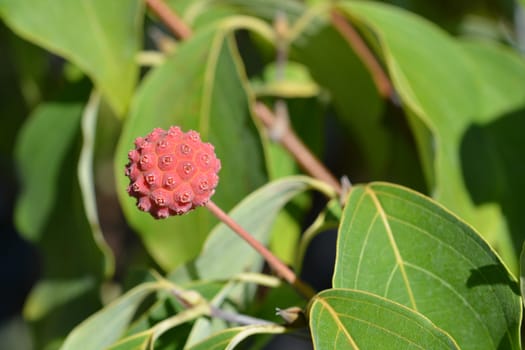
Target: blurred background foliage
48, 245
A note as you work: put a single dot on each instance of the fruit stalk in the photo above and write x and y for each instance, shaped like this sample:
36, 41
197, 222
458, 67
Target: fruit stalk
277, 265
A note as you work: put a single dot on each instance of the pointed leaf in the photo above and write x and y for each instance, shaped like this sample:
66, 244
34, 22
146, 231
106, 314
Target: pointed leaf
101, 37
201, 88
351, 319
448, 87
405, 247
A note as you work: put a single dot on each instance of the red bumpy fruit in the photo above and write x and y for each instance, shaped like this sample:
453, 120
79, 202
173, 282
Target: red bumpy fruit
172, 172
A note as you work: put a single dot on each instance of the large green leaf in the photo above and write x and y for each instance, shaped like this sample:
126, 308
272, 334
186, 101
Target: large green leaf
99, 36
352, 319
448, 87
403, 246
107, 325
490, 149
207, 95
230, 338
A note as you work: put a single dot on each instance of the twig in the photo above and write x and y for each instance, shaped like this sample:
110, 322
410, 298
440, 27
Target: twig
356, 42
169, 18
297, 149
241, 319
216, 312
277, 265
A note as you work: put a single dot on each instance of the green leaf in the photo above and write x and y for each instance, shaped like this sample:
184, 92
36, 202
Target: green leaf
42, 146
99, 36
107, 325
230, 338
405, 247
352, 319
446, 99
225, 254
491, 147
135, 342
207, 95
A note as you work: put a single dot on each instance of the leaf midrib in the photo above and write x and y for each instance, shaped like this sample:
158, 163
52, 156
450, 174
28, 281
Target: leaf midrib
399, 259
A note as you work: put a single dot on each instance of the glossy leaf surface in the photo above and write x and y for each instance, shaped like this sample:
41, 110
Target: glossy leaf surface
351, 319
449, 87
405, 247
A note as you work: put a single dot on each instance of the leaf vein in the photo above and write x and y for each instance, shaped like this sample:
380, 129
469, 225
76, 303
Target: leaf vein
393, 243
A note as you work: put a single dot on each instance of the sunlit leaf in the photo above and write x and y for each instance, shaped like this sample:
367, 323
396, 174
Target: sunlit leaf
207, 95
448, 87
351, 319
100, 37
405, 247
